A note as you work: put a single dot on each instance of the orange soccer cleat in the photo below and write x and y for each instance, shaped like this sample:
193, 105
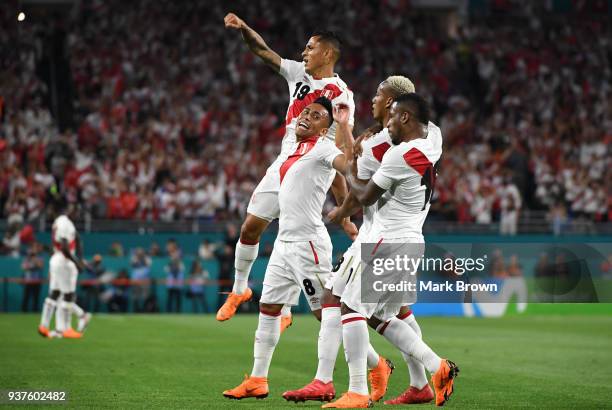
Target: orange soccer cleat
350, 400
228, 310
315, 390
412, 395
70, 333
286, 321
379, 378
251, 387
43, 331
443, 381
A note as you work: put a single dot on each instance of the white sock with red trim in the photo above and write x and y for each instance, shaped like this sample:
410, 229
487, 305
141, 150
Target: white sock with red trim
266, 338
402, 336
418, 377
243, 262
330, 338
286, 310
47, 313
373, 357
356, 339
77, 310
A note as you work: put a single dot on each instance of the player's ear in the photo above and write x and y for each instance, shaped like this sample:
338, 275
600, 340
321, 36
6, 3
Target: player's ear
389, 103
323, 132
405, 117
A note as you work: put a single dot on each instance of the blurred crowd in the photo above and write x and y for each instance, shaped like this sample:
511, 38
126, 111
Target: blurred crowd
175, 119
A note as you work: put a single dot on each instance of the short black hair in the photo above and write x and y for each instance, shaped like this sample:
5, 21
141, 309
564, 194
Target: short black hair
416, 104
325, 102
331, 38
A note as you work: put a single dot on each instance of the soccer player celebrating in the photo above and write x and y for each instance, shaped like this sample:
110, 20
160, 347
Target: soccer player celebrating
405, 177
301, 258
63, 270
307, 80
372, 152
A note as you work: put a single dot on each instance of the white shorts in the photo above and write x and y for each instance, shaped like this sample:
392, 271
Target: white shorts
294, 266
381, 307
343, 272
264, 201
62, 274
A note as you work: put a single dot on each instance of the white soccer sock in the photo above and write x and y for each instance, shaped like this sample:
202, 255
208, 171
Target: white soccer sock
356, 338
243, 262
286, 310
330, 337
401, 335
63, 316
373, 357
418, 377
47, 312
77, 310
266, 338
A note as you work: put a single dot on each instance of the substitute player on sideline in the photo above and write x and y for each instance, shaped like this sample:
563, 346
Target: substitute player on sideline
307, 80
405, 178
63, 271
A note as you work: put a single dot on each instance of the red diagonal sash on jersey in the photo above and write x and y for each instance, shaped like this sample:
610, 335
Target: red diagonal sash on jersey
303, 148
379, 150
330, 91
417, 160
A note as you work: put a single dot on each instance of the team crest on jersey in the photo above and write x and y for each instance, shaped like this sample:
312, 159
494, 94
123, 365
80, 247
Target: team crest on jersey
328, 94
314, 300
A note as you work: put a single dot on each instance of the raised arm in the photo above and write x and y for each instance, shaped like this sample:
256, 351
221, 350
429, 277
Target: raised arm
344, 138
254, 41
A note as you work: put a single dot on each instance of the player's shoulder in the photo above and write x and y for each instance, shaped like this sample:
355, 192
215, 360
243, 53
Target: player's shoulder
377, 145
419, 153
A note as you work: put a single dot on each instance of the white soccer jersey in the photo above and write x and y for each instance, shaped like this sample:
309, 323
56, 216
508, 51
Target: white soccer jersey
407, 173
374, 149
63, 228
305, 178
303, 90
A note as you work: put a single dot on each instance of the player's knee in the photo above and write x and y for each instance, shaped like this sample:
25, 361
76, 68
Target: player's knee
345, 310
70, 297
329, 298
374, 322
55, 294
269, 309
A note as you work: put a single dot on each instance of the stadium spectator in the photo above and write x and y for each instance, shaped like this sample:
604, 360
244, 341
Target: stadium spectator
141, 277
206, 251
32, 267
116, 249
174, 127
510, 203
90, 286
198, 279
120, 293
225, 257
175, 277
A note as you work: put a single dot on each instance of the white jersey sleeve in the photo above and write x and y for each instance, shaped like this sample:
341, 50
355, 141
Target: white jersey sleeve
327, 152
392, 169
291, 70
373, 150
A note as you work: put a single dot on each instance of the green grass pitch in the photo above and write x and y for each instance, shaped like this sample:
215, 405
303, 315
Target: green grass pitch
167, 361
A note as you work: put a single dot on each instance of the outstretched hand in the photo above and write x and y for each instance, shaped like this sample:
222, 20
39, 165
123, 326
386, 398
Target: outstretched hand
233, 21
341, 113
